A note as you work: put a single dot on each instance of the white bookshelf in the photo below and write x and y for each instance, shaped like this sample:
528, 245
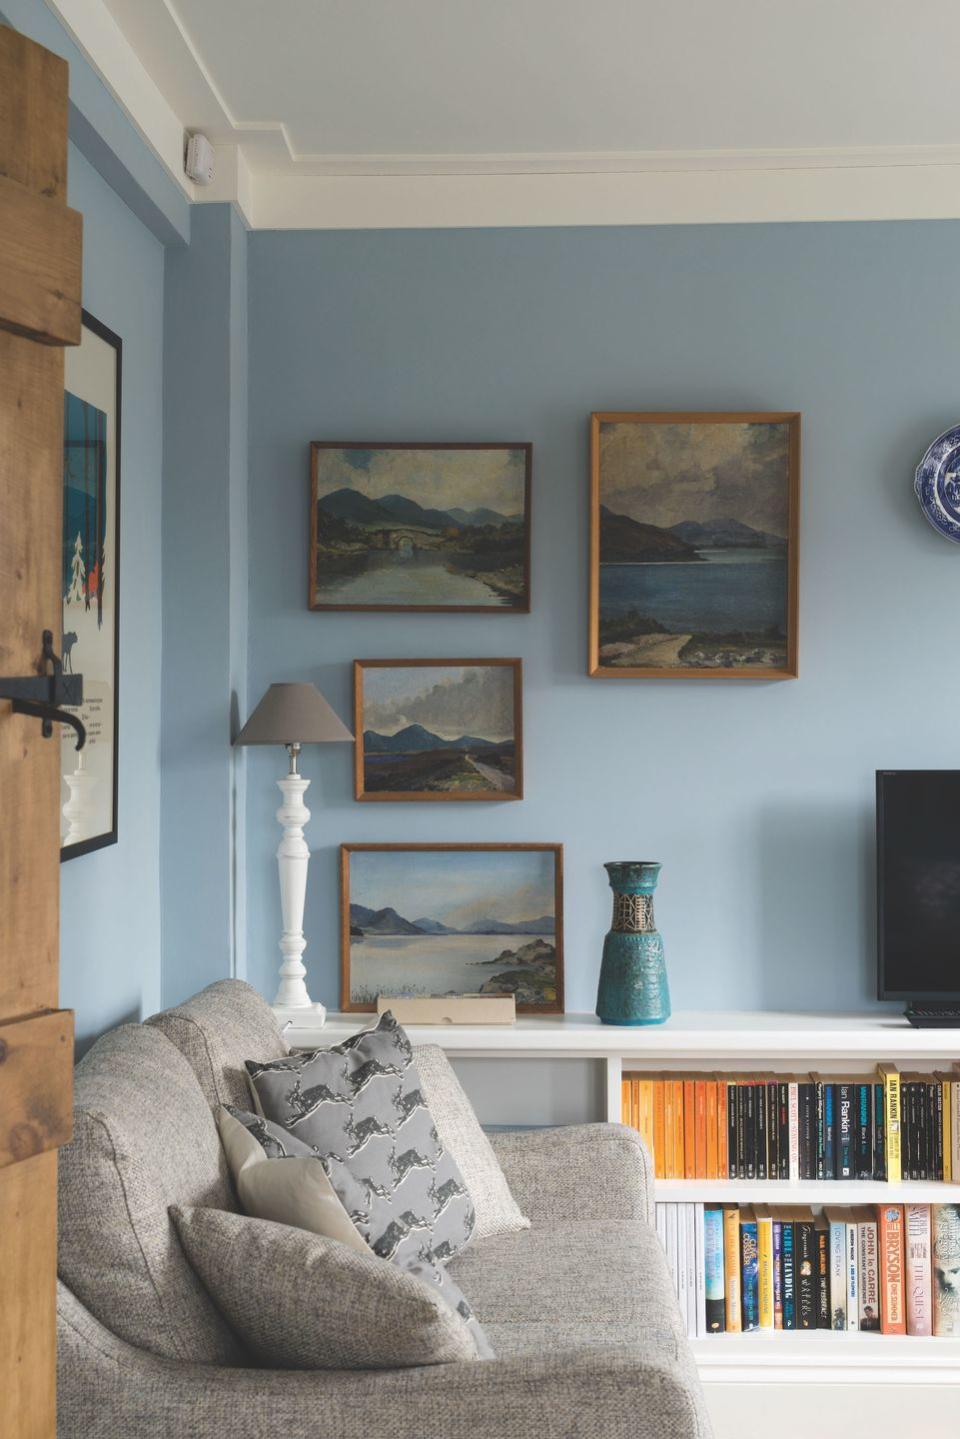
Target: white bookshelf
864, 1379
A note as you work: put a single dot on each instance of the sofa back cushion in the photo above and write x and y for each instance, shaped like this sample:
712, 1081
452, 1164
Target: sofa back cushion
144, 1138
216, 1031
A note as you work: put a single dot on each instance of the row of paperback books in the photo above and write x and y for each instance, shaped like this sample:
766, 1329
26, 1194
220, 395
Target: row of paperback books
890, 1267
888, 1126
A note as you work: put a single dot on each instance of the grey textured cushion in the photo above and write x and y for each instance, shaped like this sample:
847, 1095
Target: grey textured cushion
216, 1031
143, 1138
361, 1109
459, 1128
304, 1302
573, 1285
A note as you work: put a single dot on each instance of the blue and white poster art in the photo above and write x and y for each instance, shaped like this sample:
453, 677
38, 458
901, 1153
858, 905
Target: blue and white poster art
89, 586
423, 920
694, 552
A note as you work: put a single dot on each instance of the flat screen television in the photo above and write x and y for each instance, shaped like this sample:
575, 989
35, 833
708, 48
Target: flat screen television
918, 887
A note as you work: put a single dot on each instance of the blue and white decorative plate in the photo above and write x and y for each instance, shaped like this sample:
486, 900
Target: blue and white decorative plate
938, 483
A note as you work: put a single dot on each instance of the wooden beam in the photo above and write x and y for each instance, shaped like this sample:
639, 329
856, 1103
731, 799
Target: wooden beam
36, 1085
40, 266
33, 115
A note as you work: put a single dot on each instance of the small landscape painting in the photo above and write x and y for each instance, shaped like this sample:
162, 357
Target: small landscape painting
420, 527
438, 729
694, 545
426, 920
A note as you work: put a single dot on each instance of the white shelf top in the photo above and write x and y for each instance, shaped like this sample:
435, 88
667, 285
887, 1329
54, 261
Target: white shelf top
694, 1035
826, 1192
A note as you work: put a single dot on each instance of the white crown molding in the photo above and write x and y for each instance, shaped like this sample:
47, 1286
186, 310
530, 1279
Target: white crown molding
103, 44
680, 197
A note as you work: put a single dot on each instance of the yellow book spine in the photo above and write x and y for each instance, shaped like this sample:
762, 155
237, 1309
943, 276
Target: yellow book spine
625, 1101
731, 1267
765, 1270
646, 1112
891, 1106
947, 1151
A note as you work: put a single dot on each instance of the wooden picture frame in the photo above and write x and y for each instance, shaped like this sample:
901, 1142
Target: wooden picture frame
89, 643
477, 542
492, 773
768, 651
535, 971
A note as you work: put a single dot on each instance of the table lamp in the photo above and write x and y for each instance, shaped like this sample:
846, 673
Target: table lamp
293, 715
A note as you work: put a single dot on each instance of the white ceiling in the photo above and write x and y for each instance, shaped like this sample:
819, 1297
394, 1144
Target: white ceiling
388, 89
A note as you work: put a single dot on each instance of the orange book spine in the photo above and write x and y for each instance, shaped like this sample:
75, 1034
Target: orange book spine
635, 1103
700, 1129
893, 1319
678, 1123
625, 1101
689, 1129
723, 1156
669, 1131
646, 1112
713, 1135
660, 1128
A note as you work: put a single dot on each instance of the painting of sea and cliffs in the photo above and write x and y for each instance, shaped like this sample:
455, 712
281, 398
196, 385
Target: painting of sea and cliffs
693, 561
425, 920
438, 729
420, 527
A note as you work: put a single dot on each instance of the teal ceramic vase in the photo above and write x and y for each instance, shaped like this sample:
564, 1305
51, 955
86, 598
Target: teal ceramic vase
633, 977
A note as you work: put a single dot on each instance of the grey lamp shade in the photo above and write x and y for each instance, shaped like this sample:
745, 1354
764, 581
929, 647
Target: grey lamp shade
293, 714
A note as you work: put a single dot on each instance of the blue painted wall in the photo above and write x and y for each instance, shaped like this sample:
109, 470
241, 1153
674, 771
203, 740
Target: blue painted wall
757, 798
110, 900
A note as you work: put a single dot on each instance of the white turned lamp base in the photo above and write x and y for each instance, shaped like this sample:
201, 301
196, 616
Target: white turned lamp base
79, 808
293, 858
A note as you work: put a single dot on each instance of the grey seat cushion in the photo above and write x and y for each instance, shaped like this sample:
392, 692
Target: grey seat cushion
302, 1301
144, 1138
572, 1285
216, 1030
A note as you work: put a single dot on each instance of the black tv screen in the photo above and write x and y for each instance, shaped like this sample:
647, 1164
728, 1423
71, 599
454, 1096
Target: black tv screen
918, 883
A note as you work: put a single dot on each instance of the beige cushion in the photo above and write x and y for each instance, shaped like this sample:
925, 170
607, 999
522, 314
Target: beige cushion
458, 1126
292, 1190
303, 1302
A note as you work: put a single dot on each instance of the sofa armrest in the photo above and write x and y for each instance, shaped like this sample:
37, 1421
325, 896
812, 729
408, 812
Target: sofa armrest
603, 1170
108, 1388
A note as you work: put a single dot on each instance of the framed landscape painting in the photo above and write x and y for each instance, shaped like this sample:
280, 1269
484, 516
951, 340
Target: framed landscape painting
693, 545
421, 920
420, 526
438, 729
89, 590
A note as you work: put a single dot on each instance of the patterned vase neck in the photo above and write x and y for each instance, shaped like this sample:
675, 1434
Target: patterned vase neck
633, 876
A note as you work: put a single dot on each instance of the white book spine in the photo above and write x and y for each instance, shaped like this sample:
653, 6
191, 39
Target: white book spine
701, 1273
660, 1219
838, 1274
690, 1233
673, 1256
853, 1277
793, 1117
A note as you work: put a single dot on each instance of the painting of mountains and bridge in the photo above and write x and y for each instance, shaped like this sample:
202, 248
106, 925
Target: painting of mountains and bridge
694, 545
438, 729
420, 527
436, 920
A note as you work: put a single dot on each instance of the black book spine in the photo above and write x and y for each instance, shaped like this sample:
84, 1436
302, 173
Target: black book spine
938, 1157
806, 1263
912, 1135
741, 1130
733, 1151
820, 1140
863, 1163
762, 1132
750, 1130
926, 1136
829, 1131
879, 1134
845, 1131
823, 1278
807, 1128
783, 1124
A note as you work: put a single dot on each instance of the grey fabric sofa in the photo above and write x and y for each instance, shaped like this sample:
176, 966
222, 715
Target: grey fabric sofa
579, 1308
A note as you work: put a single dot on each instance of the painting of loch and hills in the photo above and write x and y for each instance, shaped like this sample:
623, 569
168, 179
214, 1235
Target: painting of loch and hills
420, 527
432, 730
697, 572
423, 921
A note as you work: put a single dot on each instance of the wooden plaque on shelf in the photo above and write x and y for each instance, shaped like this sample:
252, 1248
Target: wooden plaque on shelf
452, 1009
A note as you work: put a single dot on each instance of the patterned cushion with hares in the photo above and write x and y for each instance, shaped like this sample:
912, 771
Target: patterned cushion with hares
361, 1109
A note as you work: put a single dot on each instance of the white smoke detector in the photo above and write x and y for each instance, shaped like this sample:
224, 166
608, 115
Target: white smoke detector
199, 160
